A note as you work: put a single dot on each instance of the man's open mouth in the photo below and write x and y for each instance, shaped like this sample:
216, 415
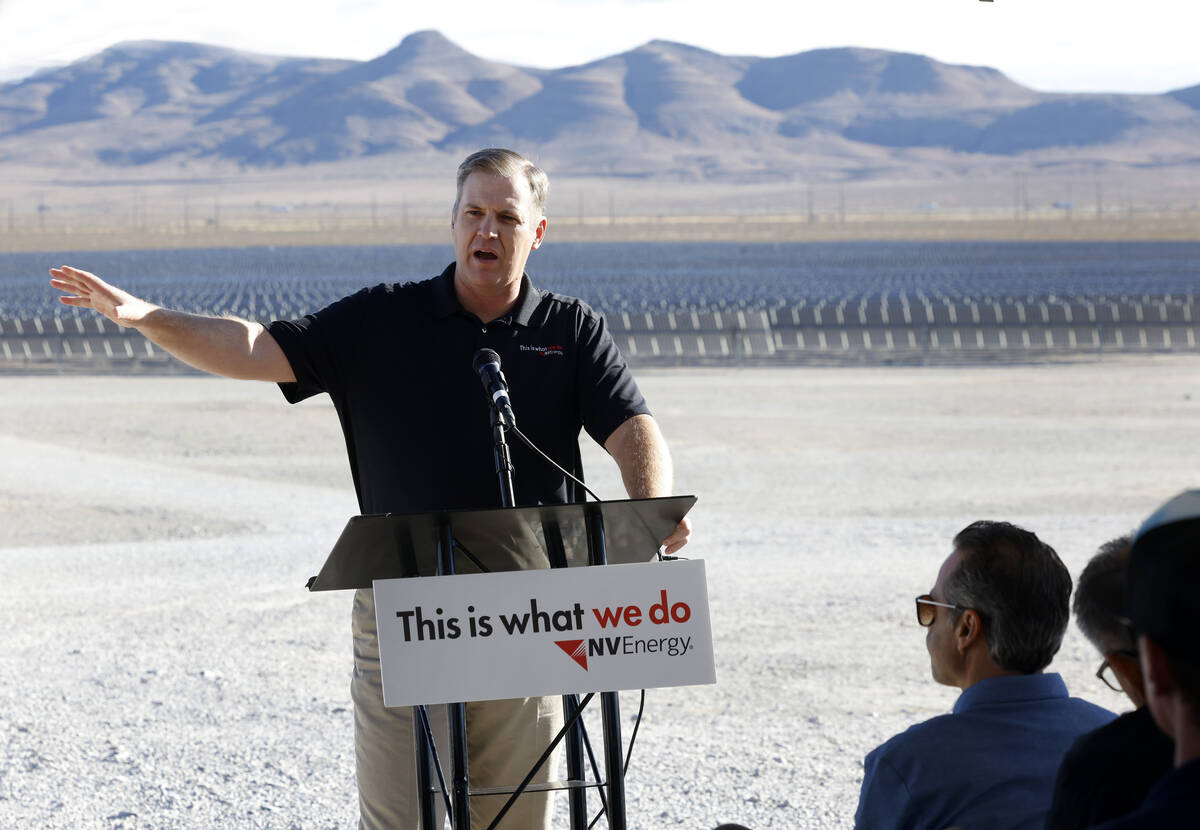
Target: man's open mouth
486, 256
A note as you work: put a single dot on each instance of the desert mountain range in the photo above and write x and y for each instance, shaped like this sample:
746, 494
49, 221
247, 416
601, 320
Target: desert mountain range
662, 110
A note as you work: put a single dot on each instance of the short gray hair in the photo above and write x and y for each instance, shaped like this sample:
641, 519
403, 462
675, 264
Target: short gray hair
507, 163
1020, 589
1099, 603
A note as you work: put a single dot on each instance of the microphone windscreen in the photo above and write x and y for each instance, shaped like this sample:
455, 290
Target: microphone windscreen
483, 357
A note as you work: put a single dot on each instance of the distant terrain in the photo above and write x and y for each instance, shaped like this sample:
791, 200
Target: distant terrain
661, 110
188, 134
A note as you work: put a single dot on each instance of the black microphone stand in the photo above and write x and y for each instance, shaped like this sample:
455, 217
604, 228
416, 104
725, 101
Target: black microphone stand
575, 734
504, 465
573, 729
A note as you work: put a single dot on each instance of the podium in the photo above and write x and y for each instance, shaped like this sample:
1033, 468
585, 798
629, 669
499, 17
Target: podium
459, 542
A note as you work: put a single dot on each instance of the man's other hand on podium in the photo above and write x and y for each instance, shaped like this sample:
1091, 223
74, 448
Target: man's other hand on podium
641, 453
679, 536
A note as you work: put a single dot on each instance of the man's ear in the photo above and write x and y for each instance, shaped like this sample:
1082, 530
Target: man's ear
539, 234
1161, 686
968, 630
1156, 668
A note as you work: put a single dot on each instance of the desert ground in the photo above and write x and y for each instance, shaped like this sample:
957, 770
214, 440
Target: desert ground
370, 202
161, 665
252, 229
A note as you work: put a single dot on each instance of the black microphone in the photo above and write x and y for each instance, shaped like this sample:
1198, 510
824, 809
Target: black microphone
487, 364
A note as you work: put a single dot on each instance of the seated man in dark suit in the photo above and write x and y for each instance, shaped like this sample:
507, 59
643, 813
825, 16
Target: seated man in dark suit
1164, 609
995, 618
1107, 773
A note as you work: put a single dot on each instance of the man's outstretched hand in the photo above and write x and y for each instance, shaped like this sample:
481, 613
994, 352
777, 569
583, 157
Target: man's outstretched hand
86, 290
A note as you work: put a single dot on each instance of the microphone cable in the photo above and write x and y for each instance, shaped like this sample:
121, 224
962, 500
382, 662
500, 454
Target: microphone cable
661, 557
525, 440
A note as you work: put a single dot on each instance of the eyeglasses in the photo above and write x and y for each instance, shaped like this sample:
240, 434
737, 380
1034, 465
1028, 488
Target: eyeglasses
1106, 670
927, 609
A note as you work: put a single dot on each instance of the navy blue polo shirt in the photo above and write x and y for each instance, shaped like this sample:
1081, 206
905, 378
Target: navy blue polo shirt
396, 360
990, 765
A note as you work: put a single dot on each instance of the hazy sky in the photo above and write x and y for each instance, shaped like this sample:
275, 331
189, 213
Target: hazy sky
1051, 45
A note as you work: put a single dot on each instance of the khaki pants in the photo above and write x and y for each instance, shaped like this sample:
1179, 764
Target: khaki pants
504, 738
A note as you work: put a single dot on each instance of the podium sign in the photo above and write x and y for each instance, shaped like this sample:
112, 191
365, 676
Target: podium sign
543, 632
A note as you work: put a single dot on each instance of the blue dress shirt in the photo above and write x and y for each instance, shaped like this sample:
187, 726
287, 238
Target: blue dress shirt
990, 765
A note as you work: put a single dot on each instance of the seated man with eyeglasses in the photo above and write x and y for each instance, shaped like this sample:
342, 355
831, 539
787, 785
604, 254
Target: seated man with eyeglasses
1164, 581
995, 618
1108, 772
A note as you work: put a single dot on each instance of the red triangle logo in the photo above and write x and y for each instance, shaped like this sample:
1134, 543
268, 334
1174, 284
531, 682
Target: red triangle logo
575, 650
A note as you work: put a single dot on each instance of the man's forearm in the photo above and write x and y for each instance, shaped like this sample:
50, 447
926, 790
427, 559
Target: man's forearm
226, 346
641, 453
221, 345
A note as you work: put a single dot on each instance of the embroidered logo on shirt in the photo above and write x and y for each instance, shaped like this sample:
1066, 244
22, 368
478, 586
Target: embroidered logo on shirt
545, 351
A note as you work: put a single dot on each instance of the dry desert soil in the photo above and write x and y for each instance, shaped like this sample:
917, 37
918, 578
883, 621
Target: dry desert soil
161, 665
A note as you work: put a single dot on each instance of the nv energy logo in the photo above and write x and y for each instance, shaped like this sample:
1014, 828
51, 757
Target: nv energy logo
575, 650
662, 612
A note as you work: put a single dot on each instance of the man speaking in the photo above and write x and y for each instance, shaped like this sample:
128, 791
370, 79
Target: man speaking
397, 361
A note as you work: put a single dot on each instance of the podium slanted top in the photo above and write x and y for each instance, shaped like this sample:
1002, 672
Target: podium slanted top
398, 545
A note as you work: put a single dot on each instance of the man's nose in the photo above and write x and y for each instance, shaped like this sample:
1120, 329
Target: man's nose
487, 229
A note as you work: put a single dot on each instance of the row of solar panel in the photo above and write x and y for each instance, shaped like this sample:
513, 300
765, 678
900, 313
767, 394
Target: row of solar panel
80, 349
993, 338
708, 320
832, 314
898, 313
935, 339
1008, 312
116, 350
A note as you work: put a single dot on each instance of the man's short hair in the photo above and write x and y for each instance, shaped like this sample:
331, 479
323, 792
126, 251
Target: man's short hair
507, 163
1099, 602
1020, 589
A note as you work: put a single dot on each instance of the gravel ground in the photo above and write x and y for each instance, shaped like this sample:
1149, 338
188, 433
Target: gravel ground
161, 665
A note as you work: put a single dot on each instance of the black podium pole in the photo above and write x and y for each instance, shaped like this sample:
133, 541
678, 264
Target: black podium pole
577, 796
610, 702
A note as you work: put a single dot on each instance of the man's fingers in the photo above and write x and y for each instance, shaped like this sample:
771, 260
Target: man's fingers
63, 285
75, 277
75, 293
679, 537
64, 281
